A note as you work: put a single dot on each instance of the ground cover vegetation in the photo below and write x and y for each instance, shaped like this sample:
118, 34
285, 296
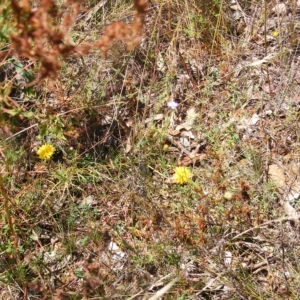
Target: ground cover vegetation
149, 150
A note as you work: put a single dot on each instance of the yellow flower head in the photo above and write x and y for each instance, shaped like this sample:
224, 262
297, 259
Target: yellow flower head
166, 147
46, 151
182, 175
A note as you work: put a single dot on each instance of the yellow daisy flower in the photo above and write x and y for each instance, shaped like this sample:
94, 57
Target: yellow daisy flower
45, 151
182, 175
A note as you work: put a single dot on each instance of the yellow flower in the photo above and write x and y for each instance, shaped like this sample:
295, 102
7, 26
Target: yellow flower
46, 151
182, 175
275, 33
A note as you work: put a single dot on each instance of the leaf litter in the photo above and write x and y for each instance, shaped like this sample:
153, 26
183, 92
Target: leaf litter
232, 234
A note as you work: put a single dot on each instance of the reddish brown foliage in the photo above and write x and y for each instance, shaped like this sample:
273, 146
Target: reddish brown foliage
40, 37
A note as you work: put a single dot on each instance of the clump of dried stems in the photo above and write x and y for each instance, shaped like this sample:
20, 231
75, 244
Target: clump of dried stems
42, 33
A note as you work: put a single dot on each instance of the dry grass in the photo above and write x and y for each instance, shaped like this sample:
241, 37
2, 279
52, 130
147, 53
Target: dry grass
104, 219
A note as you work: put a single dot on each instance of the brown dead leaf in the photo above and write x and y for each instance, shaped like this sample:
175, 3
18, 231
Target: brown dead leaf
183, 126
288, 185
173, 132
276, 174
186, 161
40, 168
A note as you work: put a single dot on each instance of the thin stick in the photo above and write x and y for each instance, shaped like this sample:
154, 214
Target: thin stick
144, 290
163, 290
267, 223
19, 132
